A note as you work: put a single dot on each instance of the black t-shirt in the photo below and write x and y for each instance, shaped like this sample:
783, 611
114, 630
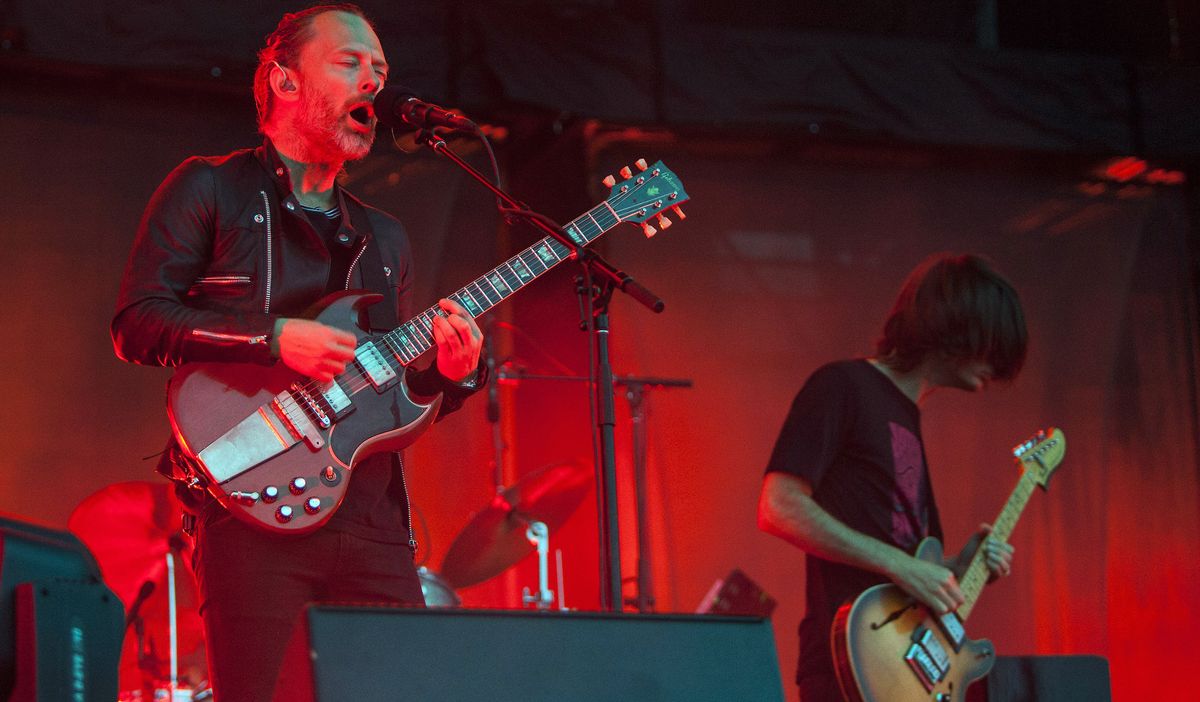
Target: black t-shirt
856, 439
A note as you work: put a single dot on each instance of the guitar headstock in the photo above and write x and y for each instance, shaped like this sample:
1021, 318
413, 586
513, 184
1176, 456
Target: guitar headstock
1041, 454
645, 194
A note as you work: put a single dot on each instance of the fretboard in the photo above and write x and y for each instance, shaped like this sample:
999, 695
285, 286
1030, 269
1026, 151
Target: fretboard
977, 573
413, 338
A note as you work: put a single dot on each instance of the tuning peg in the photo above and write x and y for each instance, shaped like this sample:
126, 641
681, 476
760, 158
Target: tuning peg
648, 230
678, 212
626, 173
663, 222
641, 164
609, 181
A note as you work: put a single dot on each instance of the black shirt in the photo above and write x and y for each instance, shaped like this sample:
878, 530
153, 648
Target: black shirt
856, 439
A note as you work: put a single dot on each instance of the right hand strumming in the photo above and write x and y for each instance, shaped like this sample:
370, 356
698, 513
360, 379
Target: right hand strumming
932, 584
314, 349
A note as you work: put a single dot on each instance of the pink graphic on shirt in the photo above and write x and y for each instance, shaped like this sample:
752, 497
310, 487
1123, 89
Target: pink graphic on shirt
910, 468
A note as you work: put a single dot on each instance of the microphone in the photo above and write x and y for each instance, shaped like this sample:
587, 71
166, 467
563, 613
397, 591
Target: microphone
399, 108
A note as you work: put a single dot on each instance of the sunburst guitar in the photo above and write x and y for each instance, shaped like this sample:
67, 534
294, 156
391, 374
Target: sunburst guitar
277, 449
887, 647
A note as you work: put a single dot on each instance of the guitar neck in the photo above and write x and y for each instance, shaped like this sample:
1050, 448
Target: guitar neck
977, 573
415, 337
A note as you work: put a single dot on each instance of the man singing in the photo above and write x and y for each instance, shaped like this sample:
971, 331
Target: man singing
229, 254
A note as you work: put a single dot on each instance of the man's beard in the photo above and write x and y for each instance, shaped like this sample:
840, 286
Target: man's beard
321, 127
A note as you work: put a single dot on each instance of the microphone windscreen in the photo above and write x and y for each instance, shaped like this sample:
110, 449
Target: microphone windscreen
387, 106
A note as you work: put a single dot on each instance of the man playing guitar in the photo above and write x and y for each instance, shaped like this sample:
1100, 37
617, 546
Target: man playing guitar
229, 255
847, 481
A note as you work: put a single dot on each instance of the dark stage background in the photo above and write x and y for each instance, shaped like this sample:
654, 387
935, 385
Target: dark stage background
807, 212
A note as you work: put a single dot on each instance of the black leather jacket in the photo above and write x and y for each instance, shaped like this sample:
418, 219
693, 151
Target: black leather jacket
223, 250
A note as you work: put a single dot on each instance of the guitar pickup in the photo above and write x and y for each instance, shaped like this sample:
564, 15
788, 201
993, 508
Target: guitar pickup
927, 658
936, 651
952, 627
375, 365
924, 667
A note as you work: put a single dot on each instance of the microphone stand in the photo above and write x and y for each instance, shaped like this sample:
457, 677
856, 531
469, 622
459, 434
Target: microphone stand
597, 297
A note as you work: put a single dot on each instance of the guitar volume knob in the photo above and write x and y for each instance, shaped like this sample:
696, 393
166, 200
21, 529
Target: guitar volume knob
283, 515
298, 486
270, 493
312, 505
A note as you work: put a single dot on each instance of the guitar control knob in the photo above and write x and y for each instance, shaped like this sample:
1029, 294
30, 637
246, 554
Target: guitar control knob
270, 493
312, 505
283, 515
298, 485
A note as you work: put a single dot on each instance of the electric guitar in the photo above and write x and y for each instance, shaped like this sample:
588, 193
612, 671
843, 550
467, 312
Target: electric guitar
277, 449
887, 646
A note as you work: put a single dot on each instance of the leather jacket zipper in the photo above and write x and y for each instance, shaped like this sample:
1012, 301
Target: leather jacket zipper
267, 214
350, 270
412, 541
221, 336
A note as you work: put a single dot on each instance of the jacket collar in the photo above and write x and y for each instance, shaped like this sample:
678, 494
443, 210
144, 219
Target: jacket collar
277, 171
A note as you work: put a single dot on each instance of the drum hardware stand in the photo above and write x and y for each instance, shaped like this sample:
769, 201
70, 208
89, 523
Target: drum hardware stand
562, 598
539, 536
602, 278
639, 408
637, 393
174, 627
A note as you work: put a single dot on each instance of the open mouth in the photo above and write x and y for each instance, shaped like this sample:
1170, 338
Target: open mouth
362, 114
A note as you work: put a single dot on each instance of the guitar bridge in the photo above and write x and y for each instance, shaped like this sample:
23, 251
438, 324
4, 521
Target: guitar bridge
295, 416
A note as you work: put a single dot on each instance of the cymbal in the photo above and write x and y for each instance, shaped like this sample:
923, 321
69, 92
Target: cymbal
129, 528
494, 540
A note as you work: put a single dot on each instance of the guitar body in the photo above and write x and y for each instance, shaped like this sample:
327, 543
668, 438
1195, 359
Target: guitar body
878, 642
207, 402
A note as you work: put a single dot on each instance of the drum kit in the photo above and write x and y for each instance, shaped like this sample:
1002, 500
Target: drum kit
134, 529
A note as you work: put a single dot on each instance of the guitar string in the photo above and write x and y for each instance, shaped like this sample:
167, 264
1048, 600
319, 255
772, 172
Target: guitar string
353, 382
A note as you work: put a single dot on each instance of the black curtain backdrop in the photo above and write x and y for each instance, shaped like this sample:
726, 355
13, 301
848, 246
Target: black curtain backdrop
910, 73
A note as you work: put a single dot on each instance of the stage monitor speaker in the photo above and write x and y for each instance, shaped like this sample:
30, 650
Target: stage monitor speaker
370, 654
60, 626
1044, 679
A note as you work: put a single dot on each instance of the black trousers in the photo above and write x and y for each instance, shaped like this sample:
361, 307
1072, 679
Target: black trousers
820, 688
254, 585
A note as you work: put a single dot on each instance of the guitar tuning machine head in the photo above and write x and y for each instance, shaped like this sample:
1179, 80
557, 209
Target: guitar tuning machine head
609, 181
663, 222
641, 164
626, 173
648, 230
